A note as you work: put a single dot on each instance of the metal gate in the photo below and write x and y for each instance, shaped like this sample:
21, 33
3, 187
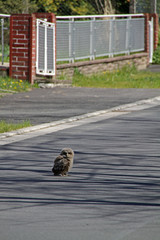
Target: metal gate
45, 52
151, 41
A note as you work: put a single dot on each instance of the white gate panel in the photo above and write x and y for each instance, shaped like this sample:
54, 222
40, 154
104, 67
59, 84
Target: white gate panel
151, 41
45, 52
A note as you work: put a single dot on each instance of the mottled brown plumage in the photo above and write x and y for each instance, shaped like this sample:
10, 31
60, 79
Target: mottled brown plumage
63, 163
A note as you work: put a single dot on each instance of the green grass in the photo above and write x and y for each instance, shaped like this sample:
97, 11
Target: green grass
7, 127
13, 85
127, 77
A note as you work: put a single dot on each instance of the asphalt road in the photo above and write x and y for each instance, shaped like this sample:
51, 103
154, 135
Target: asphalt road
112, 193
47, 105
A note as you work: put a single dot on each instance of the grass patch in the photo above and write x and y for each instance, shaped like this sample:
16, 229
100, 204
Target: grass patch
7, 127
14, 85
127, 77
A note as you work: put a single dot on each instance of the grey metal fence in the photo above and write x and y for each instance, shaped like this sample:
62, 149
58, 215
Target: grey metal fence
82, 37
99, 36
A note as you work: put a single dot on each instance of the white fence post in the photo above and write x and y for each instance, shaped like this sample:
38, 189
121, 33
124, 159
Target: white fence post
151, 48
71, 41
2, 39
128, 36
92, 33
111, 38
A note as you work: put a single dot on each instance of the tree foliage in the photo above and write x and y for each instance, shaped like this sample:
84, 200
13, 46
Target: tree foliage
147, 6
103, 6
18, 6
65, 7
84, 7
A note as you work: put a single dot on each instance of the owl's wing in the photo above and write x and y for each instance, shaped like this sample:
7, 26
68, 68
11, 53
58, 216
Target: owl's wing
61, 165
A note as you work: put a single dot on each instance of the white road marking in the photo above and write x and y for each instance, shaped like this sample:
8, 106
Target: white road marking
42, 129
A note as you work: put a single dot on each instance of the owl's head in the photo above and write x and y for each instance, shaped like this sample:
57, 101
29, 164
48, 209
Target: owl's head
67, 153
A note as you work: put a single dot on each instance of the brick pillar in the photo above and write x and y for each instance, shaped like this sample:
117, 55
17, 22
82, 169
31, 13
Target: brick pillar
146, 32
19, 46
23, 44
156, 28
32, 50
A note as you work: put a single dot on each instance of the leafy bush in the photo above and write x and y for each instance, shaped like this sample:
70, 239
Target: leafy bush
6, 53
156, 55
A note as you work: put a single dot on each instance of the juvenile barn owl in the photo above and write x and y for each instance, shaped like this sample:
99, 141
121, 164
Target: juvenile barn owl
63, 163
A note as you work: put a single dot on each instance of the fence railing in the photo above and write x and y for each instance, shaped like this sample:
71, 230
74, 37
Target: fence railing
81, 37
4, 47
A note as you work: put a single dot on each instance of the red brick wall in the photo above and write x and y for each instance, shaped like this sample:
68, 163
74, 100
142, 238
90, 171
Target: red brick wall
23, 44
19, 46
156, 28
147, 32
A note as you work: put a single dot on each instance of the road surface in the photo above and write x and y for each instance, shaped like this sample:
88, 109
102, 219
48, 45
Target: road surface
112, 193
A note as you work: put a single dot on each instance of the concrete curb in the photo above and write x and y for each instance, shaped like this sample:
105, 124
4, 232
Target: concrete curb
52, 85
124, 107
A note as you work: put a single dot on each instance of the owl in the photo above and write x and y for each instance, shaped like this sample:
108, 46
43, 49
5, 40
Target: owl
63, 163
